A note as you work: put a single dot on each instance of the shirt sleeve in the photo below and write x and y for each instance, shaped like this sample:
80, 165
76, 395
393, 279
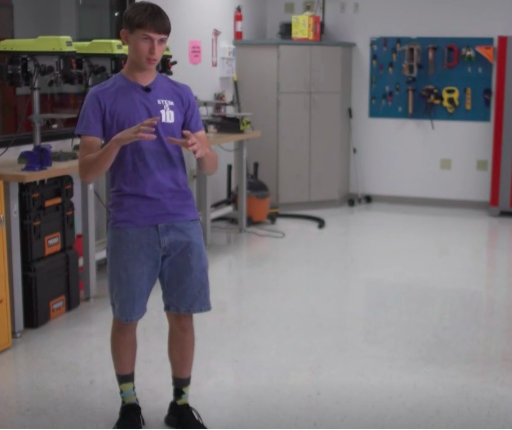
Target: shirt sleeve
90, 120
192, 121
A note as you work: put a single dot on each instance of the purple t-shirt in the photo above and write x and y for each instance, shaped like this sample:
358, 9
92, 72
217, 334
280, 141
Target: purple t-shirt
148, 179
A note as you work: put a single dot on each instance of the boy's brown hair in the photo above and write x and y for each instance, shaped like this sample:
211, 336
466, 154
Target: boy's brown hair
144, 15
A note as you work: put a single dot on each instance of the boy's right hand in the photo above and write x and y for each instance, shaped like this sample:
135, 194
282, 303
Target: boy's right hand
143, 131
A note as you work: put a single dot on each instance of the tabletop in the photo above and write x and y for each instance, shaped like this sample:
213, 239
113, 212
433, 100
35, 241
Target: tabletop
10, 169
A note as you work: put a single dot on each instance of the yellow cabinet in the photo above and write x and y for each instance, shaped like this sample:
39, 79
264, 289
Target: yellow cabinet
5, 305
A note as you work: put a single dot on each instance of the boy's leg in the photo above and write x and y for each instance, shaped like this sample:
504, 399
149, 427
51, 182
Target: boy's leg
134, 257
185, 290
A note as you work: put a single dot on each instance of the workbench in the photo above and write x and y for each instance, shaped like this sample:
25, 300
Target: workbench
12, 175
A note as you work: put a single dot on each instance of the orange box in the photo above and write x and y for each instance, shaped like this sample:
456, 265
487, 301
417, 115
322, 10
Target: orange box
314, 28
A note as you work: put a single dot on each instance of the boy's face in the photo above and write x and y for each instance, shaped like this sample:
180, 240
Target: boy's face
145, 49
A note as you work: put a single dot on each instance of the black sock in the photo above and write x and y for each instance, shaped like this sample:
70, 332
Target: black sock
127, 388
181, 389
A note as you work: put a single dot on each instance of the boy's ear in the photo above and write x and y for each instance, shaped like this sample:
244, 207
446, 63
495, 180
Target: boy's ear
124, 36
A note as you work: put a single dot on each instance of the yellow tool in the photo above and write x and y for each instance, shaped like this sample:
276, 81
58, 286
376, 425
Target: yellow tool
451, 98
468, 98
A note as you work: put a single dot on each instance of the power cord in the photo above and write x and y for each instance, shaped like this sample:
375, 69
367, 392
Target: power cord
270, 233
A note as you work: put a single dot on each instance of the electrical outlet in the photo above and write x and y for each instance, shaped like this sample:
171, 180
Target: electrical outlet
343, 7
289, 8
356, 7
309, 6
446, 164
482, 165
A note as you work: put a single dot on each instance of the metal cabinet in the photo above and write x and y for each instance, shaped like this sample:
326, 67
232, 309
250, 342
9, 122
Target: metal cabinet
299, 94
294, 146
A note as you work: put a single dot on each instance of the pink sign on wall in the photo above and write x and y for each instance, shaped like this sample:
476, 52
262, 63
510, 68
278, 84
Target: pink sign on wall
194, 51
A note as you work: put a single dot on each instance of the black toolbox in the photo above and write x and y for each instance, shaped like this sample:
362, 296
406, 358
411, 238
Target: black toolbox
45, 193
47, 231
50, 288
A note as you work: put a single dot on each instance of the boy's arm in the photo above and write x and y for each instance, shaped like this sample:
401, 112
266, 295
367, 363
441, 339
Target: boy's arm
195, 139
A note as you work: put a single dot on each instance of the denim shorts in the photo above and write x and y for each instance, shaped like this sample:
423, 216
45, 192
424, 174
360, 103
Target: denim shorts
173, 254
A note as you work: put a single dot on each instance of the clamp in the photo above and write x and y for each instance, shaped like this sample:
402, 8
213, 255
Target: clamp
454, 50
451, 98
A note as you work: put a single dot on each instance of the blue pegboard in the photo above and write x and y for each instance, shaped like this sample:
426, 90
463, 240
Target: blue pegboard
476, 75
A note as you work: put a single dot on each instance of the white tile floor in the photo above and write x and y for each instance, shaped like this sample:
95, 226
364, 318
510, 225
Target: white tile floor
393, 316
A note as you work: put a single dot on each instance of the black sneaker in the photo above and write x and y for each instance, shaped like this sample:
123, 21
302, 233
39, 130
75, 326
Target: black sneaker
130, 417
183, 417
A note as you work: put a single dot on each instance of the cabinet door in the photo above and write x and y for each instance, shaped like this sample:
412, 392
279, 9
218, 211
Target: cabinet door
293, 169
328, 161
5, 317
326, 73
256, 67
294, 69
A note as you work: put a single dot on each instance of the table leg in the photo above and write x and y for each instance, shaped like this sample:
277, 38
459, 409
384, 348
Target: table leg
11, 190
241, 173
89, 240
203, 199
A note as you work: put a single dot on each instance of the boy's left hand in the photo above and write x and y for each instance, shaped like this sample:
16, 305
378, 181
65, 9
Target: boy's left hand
191, 143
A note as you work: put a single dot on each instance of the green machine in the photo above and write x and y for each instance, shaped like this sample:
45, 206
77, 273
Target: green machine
167, 63
99, 59
23, 63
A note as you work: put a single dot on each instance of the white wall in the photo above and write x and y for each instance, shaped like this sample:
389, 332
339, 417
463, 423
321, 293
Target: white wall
401, 157
196, 19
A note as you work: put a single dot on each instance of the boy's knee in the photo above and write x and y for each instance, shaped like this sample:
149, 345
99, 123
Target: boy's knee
181, 323
123, 328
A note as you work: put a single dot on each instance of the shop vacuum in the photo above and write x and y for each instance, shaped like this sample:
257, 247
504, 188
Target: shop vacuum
259, 206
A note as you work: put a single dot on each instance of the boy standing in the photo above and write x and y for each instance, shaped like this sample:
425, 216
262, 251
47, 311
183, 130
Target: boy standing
146, 120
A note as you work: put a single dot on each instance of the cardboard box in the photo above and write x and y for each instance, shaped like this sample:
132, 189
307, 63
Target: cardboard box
306, 27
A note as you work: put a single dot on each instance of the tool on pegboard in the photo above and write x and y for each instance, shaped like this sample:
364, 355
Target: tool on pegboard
451, 99
381, 68
374, 81
385, 44
390, 97
374, 60
411, 91
390, 67
467, 91
468, 54
432, 59
394, 53
430, 94
487, 97
451, 58
397, 88
412, 61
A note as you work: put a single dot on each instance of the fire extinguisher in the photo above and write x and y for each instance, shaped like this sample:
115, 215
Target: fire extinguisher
238, 23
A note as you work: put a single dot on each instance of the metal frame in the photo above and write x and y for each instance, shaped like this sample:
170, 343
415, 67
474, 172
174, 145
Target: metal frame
203, 195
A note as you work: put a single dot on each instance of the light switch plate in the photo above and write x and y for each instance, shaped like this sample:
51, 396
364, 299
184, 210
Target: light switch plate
289, 8
446, 164
309, 6
482, 165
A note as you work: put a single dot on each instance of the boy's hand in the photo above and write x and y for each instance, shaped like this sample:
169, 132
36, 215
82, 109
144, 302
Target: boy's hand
191, 143
143, 131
